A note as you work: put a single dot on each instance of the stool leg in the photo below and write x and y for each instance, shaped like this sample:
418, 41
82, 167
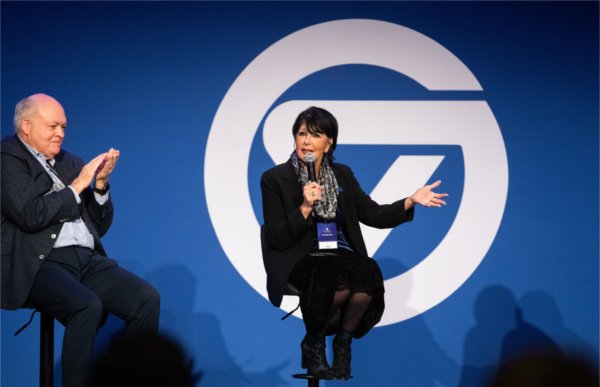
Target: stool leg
46, 350
313, 383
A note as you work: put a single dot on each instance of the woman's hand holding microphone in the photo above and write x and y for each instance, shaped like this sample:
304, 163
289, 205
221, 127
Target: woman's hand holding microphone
312, 193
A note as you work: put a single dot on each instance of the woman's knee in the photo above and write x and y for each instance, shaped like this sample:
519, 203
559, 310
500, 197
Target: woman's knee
341, 296
361, 298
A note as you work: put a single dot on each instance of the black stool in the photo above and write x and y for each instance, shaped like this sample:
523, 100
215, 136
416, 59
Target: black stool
291, 290
46, 347
46, 350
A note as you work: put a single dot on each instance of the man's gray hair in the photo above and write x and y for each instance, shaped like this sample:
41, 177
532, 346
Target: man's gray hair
25, 108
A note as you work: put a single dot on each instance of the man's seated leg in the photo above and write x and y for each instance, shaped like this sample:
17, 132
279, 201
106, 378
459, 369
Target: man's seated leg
124, 294
57, 290
76, 285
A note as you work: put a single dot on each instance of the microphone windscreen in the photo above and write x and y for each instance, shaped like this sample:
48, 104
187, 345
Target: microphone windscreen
309, 159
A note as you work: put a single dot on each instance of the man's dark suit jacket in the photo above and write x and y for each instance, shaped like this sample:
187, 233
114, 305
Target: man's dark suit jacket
32, 215
287, 236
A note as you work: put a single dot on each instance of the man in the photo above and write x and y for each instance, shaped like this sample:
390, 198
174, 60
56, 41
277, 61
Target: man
52, 221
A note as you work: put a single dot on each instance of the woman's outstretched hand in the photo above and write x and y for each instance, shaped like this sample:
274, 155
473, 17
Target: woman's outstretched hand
426, 197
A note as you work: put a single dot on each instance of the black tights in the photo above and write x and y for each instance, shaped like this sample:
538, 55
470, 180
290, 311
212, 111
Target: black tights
354, 307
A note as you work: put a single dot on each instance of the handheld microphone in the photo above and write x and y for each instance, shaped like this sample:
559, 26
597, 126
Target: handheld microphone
309, 159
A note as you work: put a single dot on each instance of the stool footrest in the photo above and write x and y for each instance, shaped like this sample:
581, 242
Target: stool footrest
312, 380
305, 376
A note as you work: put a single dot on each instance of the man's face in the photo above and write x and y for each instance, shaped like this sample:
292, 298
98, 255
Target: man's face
44, 130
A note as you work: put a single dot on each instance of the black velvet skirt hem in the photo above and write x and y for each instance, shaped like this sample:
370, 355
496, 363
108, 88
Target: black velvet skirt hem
319, 276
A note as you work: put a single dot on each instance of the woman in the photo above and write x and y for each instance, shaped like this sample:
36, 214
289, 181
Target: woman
311, 239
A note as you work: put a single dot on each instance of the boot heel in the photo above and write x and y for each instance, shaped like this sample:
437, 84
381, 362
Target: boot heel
314, 359
342, 355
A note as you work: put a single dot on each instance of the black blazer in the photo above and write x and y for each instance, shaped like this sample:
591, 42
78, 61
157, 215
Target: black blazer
32, 217
287, 236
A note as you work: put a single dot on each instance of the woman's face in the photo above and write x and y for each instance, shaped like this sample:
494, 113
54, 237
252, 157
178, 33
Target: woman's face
316, 143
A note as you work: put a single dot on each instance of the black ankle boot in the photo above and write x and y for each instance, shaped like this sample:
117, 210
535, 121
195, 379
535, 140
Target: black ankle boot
342, 355
314, 358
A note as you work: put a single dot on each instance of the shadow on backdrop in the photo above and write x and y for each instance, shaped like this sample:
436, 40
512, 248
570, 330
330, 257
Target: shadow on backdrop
541, 310
201, 333
542, 352
495, 312
507, 330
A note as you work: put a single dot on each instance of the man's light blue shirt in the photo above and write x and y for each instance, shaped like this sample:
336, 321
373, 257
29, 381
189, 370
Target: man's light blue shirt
75, 232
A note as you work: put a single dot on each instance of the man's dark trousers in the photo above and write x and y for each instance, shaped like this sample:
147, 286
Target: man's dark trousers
77, 285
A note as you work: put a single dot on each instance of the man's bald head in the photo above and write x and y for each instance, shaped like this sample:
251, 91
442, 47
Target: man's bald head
27, 107
40, 121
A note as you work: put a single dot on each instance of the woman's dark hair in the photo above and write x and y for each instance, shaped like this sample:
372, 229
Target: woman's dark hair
318, 120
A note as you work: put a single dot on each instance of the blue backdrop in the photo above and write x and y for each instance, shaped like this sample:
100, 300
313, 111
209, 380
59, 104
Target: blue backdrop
153, 79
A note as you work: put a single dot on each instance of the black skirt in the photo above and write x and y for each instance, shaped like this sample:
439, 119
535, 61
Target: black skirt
319, 275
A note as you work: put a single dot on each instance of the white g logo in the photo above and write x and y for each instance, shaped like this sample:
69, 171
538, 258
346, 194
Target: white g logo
470, 124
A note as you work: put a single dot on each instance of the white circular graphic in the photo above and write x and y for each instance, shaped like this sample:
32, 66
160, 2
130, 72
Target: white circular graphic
469, 124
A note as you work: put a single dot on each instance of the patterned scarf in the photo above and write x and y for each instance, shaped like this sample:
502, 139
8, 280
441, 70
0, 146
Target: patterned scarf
327, 206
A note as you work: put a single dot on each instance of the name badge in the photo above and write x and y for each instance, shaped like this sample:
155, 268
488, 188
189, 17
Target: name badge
327, 235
